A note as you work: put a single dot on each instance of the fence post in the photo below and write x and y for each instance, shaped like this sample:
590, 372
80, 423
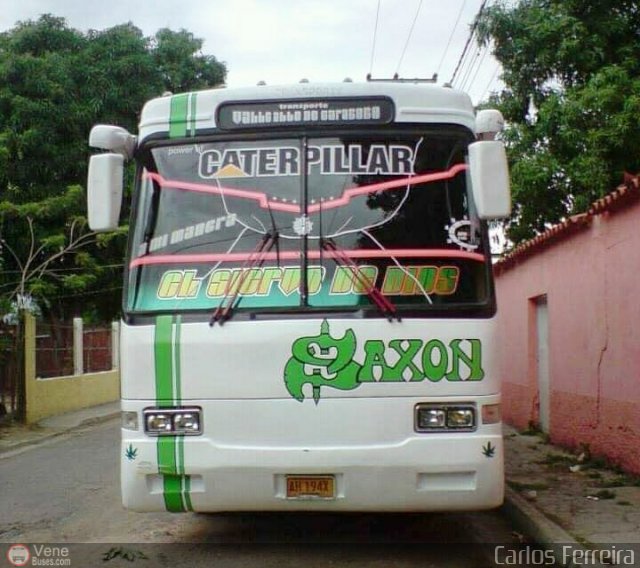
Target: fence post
27, 408
78, 347
115, 344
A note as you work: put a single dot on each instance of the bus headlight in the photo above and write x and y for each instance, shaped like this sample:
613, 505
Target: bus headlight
174, 421
438, 417
460, 418
187, 422
431, 418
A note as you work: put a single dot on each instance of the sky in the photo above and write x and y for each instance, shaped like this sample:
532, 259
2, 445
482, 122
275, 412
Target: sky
284, 41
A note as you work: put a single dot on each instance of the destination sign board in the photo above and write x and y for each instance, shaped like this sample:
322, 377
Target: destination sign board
311, 112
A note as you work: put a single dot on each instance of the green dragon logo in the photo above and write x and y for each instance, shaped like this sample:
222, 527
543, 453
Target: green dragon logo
322, 360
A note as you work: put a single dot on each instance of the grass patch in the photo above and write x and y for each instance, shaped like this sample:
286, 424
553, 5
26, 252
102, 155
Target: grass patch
532, 429
596, 463
563, 460
605, 494
594, 475
624, 503
624, 480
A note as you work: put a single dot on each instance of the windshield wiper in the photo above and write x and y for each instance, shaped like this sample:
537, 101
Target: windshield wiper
224, 310
275, 234
386, 307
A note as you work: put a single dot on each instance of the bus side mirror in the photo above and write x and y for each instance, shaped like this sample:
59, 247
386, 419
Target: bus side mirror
489, 174
104, 191
112, 138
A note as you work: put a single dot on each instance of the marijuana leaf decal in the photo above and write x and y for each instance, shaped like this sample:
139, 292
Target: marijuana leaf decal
489, 451
131, 453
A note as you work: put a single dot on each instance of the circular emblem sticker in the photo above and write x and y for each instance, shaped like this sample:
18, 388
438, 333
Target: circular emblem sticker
460, 234
18, 555
302, 225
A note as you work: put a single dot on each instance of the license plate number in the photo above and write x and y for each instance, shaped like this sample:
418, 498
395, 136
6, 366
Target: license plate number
310, 487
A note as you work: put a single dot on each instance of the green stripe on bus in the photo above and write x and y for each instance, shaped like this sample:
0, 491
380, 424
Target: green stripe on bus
180, 450
173, 494
178, 116
187, 493
167, 463
182, 117
176, 484
176, 361
163, 361
192, 114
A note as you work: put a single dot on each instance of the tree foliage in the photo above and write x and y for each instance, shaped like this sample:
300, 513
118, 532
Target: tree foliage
571, 99
55, 84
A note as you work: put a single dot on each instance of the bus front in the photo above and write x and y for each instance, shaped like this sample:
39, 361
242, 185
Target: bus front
309, 314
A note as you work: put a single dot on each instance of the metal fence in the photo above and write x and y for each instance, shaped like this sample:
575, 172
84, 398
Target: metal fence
54, 349
69, 348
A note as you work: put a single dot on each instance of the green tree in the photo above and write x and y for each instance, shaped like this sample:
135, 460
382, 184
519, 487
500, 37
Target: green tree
55, 84
571, 100
178, 56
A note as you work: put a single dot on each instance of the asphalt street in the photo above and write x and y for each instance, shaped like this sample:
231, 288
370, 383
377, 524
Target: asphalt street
65, 491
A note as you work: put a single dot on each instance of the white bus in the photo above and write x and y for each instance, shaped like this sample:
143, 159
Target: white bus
309, 311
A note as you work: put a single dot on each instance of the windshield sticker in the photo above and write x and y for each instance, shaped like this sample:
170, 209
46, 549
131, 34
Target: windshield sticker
265, 201
253, 162
181, 235
180, 284
326, 361
302, 225
312, 255
460, 233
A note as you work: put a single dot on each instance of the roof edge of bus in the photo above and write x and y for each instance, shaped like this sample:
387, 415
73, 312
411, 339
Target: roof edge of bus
414, 103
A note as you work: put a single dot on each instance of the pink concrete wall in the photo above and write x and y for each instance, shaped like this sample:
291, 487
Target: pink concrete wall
592, 283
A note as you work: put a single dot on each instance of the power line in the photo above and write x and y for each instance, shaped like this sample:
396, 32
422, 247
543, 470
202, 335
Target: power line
375, 32
490, 83
84, 294
463, 76
475, 75
480, 60
466, 45
404, 50
455, 26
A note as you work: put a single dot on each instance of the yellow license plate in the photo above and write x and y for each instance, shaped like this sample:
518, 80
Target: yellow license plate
310, 486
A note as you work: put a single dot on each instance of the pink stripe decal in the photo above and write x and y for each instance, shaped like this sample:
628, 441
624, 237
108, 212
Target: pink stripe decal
313, 255
347, 196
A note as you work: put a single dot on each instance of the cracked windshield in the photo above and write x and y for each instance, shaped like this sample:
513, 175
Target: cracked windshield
375, 222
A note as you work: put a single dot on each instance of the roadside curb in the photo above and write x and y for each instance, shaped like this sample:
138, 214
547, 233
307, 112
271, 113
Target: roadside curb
531, 521
49, 433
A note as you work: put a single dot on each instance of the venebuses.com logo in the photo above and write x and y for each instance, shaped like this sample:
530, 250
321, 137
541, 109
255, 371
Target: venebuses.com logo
18, 555
38, 555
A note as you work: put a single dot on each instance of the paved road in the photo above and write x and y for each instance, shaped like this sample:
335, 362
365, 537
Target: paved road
66, 491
